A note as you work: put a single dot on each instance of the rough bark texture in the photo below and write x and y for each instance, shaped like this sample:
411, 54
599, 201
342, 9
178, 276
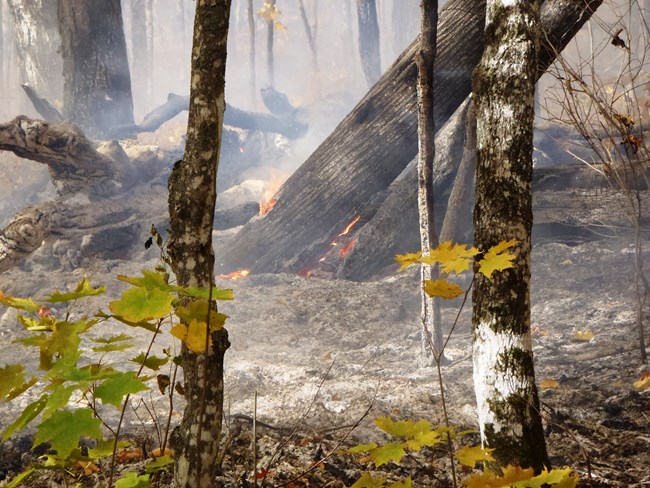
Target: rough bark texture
192, 194
363, 155
97, 83
74, 163
425, 61
369, 40
504, 377
37, 40
394, 228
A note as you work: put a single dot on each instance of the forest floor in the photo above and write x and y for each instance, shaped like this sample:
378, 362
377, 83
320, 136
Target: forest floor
326, 355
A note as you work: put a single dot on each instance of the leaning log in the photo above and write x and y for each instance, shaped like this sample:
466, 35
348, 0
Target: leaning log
376, 141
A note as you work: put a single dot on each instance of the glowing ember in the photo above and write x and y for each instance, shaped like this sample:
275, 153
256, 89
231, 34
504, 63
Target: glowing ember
346, 249
242, 273
350, 225
267, 206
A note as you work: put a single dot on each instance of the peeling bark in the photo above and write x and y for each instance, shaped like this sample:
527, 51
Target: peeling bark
504, 377
192, 195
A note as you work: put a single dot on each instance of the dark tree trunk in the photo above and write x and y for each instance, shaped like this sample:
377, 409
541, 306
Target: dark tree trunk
192, 195
97, 83
504, 376
310, 37
369, 40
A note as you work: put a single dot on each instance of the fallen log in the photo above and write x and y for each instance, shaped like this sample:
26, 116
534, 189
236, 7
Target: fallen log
376, 141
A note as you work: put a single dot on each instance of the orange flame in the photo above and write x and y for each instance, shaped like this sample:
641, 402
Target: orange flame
267, 206
350, 225
346, 249
242, 273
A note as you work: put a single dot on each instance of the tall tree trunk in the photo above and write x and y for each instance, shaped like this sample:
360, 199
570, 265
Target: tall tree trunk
251, 56
141, 51
97, 83
425, 61
270, 64
369, 40
504, 377
310, 37
37, 40
192, 195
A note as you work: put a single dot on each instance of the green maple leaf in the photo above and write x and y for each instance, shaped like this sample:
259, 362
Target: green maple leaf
131, 479
151, 280
161, 463
407, 483
139, 304
393, 451
26, 304
363, 448
26, 416
83, 289
152, 362
104, 448
429, 438
59, 397
113, 390
11, 376
217, 293
63, 429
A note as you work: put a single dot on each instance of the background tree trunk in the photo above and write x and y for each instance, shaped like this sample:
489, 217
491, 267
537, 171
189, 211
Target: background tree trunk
97, 83
270, 64
504, 377
251, 56
369, 40
37, 41
310, 38
404, 24
192, 195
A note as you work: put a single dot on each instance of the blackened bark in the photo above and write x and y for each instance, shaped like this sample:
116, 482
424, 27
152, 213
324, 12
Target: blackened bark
192, 195
369, 40
97, 83
504, 376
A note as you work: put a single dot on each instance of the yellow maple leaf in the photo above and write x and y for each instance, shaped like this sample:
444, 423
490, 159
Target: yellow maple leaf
583, 335
406, 260
512, 474
497, 260
442, 288
268, 12
469, 456
642, 384
279, 26
193, 335
454, 258
548, 383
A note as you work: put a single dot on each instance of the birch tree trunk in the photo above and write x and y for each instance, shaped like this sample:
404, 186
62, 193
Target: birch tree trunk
369, 40
192, 195
425, 59
504, 377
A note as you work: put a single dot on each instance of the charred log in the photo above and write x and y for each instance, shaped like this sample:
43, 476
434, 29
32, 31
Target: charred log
376, 141
74, 163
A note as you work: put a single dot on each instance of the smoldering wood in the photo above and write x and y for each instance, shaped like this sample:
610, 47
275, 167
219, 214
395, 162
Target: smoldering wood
376, 141
362, 156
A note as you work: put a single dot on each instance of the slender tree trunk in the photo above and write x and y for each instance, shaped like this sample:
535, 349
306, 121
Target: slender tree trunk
149, 75
349, 36
404, 25
192, 194
251, 57
97, 83
425, 59
504, 377
310, 37
369, 40
270, 67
